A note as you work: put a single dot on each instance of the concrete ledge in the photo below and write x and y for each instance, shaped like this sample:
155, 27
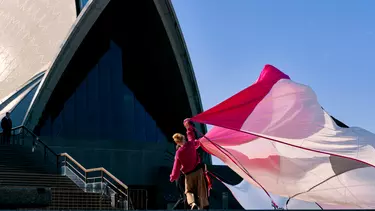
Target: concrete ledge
24, 197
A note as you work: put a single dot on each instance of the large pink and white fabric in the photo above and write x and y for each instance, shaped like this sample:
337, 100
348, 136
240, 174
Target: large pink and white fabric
277, 131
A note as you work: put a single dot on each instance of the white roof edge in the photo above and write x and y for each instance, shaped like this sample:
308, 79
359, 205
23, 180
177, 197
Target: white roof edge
172, 27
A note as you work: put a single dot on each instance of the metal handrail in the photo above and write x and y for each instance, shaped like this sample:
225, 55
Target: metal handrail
70, 158
40, 141
124, 193
100, 169
36, 138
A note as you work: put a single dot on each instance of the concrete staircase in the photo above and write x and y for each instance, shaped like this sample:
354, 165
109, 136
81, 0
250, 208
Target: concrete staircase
21, 168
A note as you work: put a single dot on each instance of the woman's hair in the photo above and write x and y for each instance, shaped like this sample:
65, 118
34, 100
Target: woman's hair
178, 138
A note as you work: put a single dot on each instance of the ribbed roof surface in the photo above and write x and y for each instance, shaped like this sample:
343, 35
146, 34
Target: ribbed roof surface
32, 32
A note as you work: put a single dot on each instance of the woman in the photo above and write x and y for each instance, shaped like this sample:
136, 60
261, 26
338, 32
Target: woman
180, 184
188, 161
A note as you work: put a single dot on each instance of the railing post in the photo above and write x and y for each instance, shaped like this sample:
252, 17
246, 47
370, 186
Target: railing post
23, 136
102, 176
57, 164
85, 177
18, 137
128, 199
14, 137
146, 199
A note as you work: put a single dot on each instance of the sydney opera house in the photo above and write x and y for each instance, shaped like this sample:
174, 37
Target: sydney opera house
105, 81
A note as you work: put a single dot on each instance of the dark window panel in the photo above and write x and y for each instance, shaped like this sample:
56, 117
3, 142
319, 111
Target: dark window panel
103, 107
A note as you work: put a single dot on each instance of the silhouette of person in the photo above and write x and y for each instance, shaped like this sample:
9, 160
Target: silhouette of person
6, 125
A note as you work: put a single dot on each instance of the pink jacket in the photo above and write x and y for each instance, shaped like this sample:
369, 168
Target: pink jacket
186, 158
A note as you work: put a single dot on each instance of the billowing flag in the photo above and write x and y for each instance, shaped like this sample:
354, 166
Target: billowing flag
276, 136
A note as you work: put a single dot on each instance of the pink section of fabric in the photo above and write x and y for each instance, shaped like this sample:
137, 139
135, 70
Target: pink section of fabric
289, 110
242, 104
227, 137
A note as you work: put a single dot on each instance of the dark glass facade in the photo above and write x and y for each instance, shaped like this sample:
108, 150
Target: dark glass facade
103, 107
82, 3
19, 112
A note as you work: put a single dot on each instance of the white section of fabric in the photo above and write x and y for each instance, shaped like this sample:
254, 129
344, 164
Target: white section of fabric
291, 113
249, 196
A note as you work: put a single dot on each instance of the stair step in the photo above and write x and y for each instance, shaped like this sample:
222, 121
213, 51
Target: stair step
13, 158
62, 199
77, 194
33, 174
10, 166
35, 180
22, 170
87, 206
81, 199
76, 205
91, 202
86, 203
67, 207
18, 151
81, 208
28, 161
77, 190
81, 196
23, 163
38, 184
30, 166
17, 157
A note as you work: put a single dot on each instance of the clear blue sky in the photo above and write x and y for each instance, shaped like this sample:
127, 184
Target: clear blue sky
328, 45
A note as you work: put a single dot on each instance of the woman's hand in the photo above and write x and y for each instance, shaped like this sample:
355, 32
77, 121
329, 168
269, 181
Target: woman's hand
187, 123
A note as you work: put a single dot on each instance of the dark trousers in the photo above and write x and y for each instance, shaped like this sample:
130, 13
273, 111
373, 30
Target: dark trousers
5, 139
